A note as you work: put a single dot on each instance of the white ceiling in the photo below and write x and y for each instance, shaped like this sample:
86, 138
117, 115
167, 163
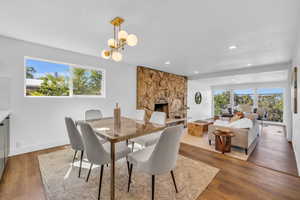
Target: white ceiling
192, 35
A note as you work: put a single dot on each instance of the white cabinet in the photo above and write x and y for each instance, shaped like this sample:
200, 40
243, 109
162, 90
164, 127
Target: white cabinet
4, 144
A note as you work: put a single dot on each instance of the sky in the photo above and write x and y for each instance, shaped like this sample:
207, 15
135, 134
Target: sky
43, 67
251, 91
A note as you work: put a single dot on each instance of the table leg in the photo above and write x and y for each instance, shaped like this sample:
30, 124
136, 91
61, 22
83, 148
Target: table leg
112, 171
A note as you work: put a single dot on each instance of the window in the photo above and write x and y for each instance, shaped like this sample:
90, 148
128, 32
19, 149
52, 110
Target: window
270, 104
47, 78
221, 101
243, 100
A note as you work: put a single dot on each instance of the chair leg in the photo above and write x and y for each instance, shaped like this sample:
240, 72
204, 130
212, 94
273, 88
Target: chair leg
153, 186
246, 151
128, 166
173, 177
81, 157
209, 141
88, 176
132, 146
74, 156
129, 179
100, 183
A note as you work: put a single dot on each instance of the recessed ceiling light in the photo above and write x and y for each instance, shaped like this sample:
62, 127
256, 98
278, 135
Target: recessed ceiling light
196, 72
232, 47
249, 64
167, 62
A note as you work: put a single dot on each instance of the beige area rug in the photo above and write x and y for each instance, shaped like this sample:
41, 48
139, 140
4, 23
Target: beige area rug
62, 183
202, 142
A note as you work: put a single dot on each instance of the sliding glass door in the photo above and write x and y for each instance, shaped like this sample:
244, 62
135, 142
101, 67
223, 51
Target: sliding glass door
270, 104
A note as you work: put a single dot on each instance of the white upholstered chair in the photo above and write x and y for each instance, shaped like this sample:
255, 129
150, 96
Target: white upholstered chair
98, 153
158, 159
93, 114
147, 140
75, 140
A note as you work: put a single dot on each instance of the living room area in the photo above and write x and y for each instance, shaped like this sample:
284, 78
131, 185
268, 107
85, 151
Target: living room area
243, 119
138, 100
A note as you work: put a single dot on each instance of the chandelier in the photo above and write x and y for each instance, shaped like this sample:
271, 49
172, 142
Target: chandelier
119, 41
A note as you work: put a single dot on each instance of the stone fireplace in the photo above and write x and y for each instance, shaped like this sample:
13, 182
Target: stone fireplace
161, 91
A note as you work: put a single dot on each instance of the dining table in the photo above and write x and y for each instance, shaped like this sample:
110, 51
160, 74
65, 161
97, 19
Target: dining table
128, 129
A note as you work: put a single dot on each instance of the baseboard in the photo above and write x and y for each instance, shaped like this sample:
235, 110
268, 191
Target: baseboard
37, 147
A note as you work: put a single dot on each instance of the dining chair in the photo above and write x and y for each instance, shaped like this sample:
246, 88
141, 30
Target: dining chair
147, 140
140, 115
93, 114
99, 153
75, 140
158, 159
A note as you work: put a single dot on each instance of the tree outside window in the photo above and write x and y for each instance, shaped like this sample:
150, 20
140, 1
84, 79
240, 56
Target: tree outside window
221, 101
44, 78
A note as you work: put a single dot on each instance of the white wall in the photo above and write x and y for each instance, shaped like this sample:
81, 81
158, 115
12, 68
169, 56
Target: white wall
4, 93
203, 110
296, 117
38, 123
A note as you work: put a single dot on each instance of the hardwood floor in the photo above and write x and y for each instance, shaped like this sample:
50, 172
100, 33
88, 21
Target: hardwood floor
239, 179
274, 151
236, 180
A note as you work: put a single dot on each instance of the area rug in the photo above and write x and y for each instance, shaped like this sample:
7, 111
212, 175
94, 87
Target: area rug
202, 142
61, 180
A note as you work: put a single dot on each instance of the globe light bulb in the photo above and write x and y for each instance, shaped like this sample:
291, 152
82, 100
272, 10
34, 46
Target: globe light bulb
105, 54
111, 43
116, 56
122, 35
132, 40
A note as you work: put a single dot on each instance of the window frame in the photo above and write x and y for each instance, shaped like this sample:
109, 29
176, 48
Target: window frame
71, 95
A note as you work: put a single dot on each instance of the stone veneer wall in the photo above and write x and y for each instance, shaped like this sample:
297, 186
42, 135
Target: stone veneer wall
154, 86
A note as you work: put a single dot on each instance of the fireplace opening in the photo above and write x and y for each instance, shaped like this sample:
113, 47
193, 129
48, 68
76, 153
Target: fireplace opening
162, 107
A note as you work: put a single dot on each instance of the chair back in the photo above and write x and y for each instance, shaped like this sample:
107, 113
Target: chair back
164, 156
158, 118
140, 115
93, 147
93, 114
74, 135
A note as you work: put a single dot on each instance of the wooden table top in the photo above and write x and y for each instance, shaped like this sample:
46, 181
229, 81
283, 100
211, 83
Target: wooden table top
202, 122
224, 133
130, 128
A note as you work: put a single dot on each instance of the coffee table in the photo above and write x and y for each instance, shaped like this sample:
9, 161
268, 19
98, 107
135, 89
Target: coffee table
223, 140
198, 128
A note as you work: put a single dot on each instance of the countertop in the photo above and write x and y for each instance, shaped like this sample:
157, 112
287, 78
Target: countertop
4, 114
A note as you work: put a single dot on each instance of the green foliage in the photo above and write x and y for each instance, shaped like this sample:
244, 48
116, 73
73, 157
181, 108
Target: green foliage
86, 82
221, 101
52, 86
273, 104
29, 72
243, 99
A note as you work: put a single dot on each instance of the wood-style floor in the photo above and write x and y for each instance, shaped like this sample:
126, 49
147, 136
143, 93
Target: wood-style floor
274, 151
236, 180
